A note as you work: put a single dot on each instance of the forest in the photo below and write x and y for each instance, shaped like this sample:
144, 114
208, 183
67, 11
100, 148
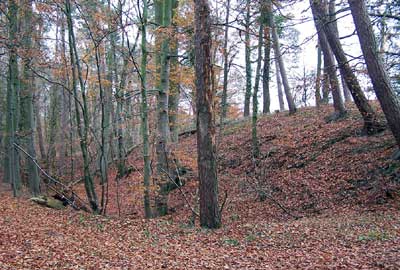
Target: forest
204, 134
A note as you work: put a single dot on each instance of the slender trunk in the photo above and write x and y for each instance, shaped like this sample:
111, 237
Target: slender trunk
266, 10
224, 99
208, 182
279, 58
82, 130
279, 86
338, 104
371, 124
346, 91
318, 78
39, 129
174, 83
248, 61
144, 115
384, 90
256, 148
325, 84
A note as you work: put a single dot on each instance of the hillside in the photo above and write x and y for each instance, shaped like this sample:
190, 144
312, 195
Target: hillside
322, 197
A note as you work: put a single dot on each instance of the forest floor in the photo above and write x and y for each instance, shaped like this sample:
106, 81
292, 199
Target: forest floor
340, 191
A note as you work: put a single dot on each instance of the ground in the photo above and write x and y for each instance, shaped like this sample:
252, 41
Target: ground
338, 196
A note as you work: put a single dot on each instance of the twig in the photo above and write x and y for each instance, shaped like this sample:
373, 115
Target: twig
182, 193
274, 201
52, 179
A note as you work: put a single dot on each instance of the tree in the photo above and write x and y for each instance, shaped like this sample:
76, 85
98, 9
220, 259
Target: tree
26, 99
83, 129
224, 99
12, 167
208, 182
247, 45
380, 80
266, 17
256, 149
144, 116
282, 69
163, 11
329, 61
371, 124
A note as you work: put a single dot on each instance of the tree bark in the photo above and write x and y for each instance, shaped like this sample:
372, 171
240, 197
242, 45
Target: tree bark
384, 90
208, 183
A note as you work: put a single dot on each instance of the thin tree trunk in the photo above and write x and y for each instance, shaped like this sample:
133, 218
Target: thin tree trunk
266, 13
279, 86
279, 58
144, 115
248, 61
256, 148
174, 83
224, 99
371, 124
82, 130
384, 90
318, 78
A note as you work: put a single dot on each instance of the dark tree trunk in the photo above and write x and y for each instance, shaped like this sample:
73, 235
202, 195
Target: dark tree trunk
371, 124
380, 80
208, 183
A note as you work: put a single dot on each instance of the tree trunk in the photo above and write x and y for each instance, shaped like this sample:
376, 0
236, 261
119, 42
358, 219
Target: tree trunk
248, 61
338, 105
82, 129
279, 58
371, 124
163, 129
174, 83
279, 86
318, 78
208, 182
266, 13
380, 80
224, 99
26, 100
256, 149
13, 88
144, 115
